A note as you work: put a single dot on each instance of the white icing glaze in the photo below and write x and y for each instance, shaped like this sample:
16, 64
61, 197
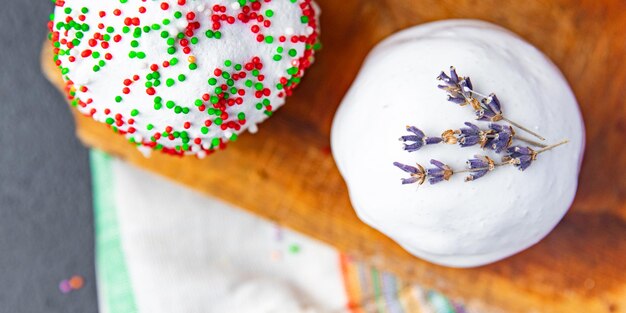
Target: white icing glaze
238, 44
456, 223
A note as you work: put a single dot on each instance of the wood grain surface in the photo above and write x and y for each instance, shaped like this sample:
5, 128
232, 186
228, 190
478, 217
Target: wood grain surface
285, 172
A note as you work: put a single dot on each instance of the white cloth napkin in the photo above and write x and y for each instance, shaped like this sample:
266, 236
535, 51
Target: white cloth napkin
185, 252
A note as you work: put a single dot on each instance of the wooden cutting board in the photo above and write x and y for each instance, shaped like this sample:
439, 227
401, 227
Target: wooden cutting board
285, 172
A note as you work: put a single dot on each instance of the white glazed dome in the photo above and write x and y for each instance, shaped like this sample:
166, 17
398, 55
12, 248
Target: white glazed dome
457, 223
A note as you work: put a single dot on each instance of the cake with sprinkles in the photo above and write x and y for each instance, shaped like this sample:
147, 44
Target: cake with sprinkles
183, 77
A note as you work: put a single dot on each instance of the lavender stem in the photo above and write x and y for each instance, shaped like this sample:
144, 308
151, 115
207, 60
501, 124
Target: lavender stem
477, 93
548, 148
523, 128
478, 169
529, 141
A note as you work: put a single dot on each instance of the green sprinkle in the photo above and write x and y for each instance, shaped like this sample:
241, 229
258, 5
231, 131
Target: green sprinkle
294, 248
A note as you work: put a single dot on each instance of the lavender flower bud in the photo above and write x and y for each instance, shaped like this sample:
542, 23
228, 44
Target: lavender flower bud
491, 109
502, 137
440, 173
458, 88
417, 174
479, 167
521, 157
472, 135
417, 140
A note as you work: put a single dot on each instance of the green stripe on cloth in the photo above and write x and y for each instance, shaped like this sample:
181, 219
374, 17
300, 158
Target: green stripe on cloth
114, 286
440, 303
378, 297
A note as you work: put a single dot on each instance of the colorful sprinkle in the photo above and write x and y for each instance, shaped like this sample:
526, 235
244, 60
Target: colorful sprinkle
76, 282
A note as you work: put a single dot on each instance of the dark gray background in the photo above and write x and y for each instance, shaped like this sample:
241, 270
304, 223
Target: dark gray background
46, 225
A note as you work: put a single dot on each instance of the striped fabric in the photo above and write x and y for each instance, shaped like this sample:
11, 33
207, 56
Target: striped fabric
372, 291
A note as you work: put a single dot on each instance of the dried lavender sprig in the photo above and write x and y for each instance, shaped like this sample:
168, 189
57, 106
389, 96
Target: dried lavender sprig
497, 137
520, 157
460, 91
442, 172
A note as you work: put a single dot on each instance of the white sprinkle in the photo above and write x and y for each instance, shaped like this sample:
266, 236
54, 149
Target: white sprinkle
253, 128
146, 151
181, 24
